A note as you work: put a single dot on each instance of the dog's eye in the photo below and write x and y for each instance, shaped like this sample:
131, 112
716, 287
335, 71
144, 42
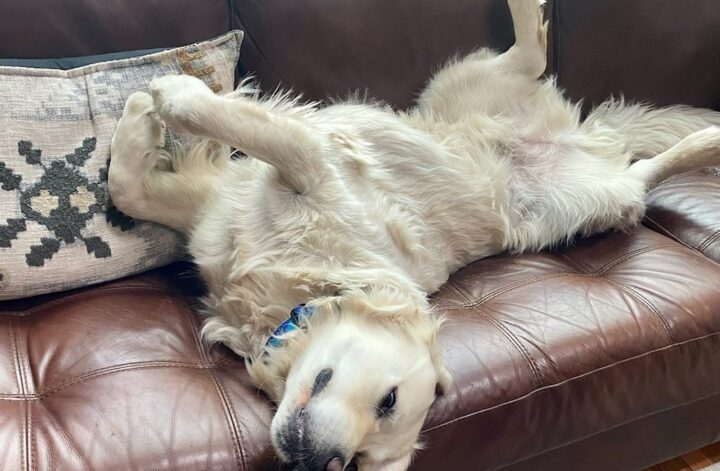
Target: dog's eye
388, 402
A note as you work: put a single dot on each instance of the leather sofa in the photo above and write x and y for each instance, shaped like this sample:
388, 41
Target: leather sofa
600, 356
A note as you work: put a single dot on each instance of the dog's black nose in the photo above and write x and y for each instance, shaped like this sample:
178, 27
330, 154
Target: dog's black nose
332, 461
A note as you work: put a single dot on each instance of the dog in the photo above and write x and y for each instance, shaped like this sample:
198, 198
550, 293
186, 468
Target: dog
320, 248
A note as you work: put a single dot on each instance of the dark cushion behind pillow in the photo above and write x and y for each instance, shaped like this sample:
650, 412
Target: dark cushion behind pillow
67, 63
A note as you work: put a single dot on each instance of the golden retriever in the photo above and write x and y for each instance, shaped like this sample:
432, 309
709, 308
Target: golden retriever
349, 215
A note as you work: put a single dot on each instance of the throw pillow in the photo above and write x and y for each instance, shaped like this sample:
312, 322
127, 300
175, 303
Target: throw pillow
57, 228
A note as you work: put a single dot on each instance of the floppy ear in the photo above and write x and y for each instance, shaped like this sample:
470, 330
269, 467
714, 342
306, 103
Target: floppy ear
444, 378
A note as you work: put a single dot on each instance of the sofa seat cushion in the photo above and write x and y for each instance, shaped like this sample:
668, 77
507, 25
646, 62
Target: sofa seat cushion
687, 208
547, 349
553, 348
115, 377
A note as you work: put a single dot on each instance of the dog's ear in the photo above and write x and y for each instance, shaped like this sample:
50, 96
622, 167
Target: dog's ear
444, 379
405, 307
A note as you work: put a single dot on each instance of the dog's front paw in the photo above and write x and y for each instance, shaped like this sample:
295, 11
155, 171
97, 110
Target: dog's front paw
177, 97
140, 129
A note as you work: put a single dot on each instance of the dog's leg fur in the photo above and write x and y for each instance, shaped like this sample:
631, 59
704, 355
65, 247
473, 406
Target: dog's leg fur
147, 183
188, 105
488, 83
623, 195
699, 150
529, 53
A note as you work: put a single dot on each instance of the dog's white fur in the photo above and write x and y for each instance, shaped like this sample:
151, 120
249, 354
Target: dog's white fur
361, 211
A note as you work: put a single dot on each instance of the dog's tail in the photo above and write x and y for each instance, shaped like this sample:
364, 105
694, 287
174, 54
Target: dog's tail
648, 131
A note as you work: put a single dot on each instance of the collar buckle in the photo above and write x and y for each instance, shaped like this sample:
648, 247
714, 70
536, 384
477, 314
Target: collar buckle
298, 316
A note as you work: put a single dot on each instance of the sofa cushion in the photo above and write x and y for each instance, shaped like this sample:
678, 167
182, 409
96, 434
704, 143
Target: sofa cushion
57, 28
550, 349
116, 377
660, 51
57, 228
687, 208
547, 351
387, 48
66, 63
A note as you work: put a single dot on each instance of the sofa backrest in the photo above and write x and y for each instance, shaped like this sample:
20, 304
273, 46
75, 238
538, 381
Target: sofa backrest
37, 29
663, 51
388, 47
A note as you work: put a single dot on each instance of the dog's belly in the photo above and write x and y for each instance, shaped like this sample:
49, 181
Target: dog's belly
560, 187
535, 166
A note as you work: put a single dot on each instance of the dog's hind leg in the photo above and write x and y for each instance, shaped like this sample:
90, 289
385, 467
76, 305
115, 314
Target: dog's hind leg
146, 182
698, 150
491, 83
614, 197
529, 53
255, 128
649, 131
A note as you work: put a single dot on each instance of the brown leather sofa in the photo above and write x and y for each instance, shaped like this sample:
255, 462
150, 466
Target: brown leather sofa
600, 357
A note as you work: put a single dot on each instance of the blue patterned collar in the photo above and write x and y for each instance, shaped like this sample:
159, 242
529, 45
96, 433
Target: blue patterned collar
298, 316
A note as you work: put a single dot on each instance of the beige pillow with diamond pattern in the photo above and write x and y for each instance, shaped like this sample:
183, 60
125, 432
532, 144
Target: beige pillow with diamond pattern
57, 229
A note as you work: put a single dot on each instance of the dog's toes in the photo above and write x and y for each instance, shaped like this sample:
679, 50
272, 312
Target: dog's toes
140, 129
175, 97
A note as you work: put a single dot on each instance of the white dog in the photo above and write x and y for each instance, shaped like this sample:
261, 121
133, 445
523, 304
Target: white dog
357, 212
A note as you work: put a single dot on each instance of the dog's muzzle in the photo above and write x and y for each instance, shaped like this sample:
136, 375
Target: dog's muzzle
297, 443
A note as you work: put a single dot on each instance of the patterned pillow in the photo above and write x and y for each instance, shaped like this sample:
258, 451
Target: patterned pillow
57, 229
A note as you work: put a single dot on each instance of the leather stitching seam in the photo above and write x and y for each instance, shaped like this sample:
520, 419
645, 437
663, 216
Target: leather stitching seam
194, 324
67, 299
615, 262
621, 424
549, 387
518, 345
29, 424
110, 370
459, 292
645, 302
16, 363
519, 284
709, 241
576, 264
632, 292
24, 450
230, 419
665, 231
511, 287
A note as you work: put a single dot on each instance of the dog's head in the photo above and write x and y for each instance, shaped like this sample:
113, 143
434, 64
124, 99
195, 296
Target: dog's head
367, 372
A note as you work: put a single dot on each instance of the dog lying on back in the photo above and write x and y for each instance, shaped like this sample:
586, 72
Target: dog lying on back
320, 249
